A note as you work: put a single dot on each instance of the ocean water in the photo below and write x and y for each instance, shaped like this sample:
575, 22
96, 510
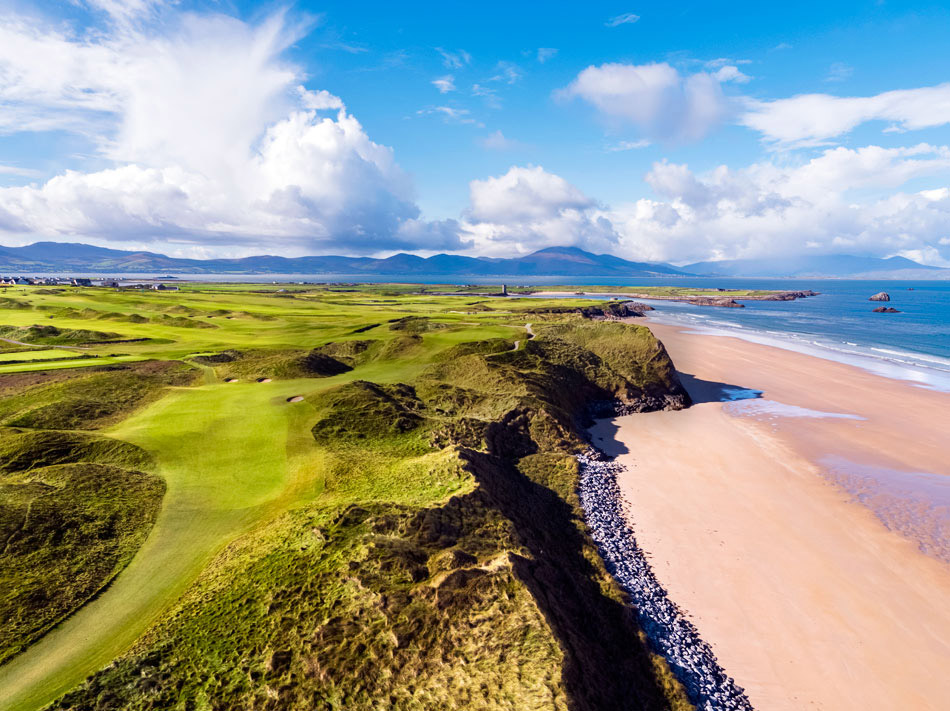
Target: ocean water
839, 324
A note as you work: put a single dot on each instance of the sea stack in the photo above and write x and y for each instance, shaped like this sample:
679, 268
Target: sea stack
880, 296
885, 310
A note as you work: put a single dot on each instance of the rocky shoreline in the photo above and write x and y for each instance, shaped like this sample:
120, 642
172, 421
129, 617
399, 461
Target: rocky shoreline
670, 634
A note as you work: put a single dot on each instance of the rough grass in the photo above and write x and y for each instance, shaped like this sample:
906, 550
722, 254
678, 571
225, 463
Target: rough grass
51, 335
8, 303
66, 530
632, 351
359, 608
92, 399
23, 450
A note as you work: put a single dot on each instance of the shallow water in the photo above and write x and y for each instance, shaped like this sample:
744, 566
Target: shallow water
771, 409
914, 504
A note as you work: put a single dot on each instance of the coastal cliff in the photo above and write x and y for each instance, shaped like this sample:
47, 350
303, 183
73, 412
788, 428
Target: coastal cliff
458, 559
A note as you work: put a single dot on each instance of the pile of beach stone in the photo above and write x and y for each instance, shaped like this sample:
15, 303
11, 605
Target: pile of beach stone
670, 634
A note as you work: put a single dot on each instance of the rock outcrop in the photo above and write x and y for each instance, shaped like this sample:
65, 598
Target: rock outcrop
789, 295
886, 310
610, 311
713, 301
880, 296
621, 309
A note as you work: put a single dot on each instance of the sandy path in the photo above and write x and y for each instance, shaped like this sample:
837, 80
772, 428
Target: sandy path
530, 334
806, 598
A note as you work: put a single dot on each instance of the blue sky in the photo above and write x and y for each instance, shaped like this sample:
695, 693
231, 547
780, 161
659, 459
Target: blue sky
653, 131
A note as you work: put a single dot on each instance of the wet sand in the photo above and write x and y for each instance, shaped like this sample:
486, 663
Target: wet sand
749, 511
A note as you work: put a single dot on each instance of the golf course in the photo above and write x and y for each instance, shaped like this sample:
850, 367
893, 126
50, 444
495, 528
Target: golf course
328, 480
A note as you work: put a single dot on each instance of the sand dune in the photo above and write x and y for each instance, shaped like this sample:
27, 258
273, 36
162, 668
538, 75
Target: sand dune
806, 597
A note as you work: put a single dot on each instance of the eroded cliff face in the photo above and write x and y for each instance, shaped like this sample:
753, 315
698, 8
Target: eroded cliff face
447, 564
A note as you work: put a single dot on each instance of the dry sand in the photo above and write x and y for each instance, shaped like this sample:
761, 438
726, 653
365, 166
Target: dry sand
808, 600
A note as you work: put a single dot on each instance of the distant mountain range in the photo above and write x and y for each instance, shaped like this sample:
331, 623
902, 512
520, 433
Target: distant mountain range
832, 265
72, 258
554, 261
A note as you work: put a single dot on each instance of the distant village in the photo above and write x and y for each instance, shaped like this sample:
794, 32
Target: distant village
82, 281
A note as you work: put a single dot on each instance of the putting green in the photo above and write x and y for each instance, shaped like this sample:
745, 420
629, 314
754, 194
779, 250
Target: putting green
232, 455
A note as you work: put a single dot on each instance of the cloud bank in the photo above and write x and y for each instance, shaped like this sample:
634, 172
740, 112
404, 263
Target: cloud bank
838, 202
765, 209
203, 136
529, 208
212, 137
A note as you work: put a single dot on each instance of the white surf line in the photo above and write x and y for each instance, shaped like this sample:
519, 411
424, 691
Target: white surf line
671, 635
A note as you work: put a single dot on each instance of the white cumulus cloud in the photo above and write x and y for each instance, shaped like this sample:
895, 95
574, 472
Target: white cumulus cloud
529, 208
656, 98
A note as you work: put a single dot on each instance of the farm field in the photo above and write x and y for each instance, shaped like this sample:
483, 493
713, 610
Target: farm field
272, 416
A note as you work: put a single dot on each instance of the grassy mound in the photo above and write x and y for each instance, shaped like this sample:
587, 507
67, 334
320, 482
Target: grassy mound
7, 302
53, 336
91, 399
257, 363
25, 450
633, 353
323, 365
182, 322
68, 529
217, 358
350, 352
414, 324
361, 409
487, 347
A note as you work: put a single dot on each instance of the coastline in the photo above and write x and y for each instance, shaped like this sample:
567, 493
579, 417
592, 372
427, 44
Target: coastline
922, 369
793, 528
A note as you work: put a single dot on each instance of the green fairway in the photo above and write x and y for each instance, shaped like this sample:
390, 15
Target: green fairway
44, 354
223, 451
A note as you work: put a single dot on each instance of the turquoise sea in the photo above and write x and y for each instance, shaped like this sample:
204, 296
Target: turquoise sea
840, 324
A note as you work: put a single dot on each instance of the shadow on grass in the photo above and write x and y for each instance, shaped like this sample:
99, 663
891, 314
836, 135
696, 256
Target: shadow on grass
606, 665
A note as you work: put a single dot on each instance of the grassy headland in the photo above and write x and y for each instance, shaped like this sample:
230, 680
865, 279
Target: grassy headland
369, 501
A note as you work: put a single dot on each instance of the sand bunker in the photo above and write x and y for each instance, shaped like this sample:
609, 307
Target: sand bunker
230, 380
295, 398
263, 380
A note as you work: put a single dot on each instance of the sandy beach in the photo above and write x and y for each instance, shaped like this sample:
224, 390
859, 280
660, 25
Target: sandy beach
805, 531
